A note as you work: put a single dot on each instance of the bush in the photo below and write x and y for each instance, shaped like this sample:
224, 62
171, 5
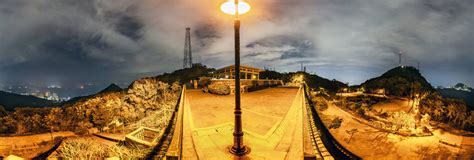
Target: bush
82, 149
90, 149
335, 123
3, 111
402, 120
361, 111
219, 88
323, 106
383, 114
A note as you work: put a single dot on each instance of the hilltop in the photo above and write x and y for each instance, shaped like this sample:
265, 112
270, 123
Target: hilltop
404, 80
399, 81
111, 88
185, 75
313, 80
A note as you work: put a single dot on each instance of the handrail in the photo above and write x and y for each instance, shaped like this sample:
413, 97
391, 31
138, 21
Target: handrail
47, 153
170, 129
331, 144
175, 149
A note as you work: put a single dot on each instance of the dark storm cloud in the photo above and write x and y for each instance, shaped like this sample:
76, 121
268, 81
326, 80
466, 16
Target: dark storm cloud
301, 45
107, 40
82, 40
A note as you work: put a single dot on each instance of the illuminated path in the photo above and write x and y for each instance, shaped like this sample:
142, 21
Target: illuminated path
278, 123
272, 121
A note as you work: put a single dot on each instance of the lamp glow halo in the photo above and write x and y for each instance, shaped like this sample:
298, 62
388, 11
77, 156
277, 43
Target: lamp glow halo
229, 7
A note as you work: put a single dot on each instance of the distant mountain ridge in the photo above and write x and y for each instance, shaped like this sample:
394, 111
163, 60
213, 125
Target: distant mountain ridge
111, 88
12, 100
462, 86
459, 91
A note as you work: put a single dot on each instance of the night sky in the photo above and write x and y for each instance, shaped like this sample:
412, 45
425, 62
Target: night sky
68, 42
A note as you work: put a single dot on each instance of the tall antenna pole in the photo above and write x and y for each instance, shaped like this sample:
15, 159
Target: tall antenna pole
400, 58
188, 57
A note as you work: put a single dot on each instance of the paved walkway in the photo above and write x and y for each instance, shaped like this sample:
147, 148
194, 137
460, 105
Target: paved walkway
272, 123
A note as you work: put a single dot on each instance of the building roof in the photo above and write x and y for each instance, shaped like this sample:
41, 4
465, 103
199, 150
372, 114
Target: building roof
241, 66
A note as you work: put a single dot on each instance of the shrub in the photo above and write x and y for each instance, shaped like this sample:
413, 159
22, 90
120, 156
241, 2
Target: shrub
361, 111
335, 123
90, 149
219, 88
82, 149
383, 114
323, 106
3, 111
402, 120
175, 87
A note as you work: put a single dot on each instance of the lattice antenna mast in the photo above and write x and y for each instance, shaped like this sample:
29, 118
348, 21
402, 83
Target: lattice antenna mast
188, 57
400, 58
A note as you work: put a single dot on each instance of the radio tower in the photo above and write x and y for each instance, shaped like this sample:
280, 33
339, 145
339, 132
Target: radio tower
188, 57
400, 58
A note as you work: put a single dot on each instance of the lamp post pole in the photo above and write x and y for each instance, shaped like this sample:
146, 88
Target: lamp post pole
238, 147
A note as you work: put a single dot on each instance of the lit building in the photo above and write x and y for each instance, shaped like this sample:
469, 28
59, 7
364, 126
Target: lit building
246, 72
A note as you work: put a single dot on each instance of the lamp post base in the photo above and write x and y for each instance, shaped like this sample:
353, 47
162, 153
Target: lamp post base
239, 152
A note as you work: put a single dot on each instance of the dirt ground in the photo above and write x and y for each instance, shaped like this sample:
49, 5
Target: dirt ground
261, 109
393, 104
370, 143
28, 146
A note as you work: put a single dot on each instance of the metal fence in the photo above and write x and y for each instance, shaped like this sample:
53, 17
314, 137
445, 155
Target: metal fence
331, 144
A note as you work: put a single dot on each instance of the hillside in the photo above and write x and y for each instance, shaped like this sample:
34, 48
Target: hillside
267, 74
399, 81
144, 97
313, 80
185, 75
12, 100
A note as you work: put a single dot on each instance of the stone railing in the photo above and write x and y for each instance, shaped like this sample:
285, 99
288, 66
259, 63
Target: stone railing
250, 84
175, 147
160, 139
330, 143
139, 136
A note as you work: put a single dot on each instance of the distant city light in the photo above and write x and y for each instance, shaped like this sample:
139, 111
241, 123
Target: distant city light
54, 86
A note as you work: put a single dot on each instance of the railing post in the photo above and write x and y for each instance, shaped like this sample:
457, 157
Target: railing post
175, 150
331, 144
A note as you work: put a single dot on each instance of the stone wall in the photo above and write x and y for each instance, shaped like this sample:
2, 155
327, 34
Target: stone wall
249, 82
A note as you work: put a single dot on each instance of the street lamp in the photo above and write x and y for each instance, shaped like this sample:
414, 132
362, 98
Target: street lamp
236, 7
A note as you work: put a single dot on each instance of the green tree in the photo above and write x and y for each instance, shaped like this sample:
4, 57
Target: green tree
3, 112
8, 125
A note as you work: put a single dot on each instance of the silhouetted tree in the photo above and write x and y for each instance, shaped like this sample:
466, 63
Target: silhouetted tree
3, 112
